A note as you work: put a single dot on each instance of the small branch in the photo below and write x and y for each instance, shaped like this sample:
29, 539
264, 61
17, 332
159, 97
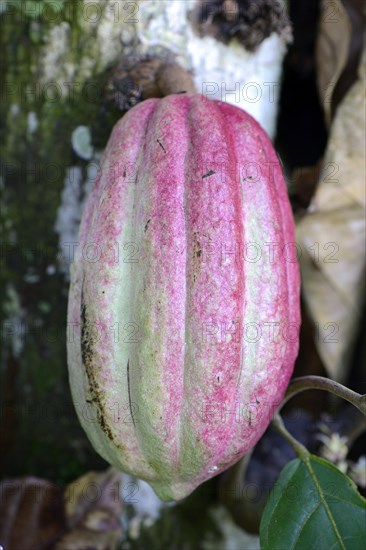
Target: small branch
298, 447
303, 383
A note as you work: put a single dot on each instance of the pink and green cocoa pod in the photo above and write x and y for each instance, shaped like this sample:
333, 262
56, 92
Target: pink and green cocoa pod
184, 297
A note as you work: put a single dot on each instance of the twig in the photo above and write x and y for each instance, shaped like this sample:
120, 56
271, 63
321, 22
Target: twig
298, 447
303, 383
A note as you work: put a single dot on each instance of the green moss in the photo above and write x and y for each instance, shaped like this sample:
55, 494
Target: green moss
40, 433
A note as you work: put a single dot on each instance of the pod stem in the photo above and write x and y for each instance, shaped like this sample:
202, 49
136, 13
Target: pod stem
298, 385
303, 383
137, 79
300, 450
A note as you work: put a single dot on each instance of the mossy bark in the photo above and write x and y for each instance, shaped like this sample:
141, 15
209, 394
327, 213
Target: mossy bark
57, 55
40, 434
56, 58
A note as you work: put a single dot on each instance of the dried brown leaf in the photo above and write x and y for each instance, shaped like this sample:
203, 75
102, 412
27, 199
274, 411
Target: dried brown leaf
93, 488
357, 17
333, 41
36, 514
338, 50
332, 237
93, 508
31, 513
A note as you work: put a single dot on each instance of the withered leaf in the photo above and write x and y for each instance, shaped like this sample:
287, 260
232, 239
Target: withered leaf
338, 50
93, 507
332, 236
31, 513
38, 514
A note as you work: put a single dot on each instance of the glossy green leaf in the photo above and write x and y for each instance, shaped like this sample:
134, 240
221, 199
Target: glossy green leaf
313, 506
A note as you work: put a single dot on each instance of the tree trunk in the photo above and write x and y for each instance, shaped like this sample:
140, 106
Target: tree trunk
57, 55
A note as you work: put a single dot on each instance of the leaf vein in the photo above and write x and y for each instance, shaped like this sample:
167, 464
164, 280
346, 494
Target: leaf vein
324, 503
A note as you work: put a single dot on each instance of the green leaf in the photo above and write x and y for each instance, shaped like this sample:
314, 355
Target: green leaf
313, 506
